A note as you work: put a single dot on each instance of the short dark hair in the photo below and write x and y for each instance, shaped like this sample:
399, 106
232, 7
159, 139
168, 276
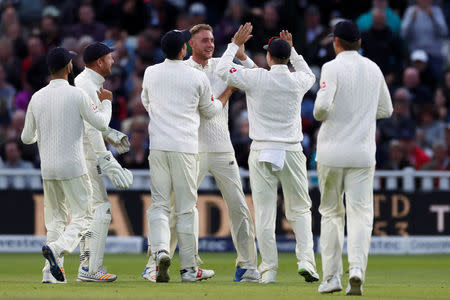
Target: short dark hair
349, 46
174, 55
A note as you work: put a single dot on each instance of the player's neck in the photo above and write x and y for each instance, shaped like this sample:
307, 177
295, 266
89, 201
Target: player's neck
95, 69
201, 61
64, 77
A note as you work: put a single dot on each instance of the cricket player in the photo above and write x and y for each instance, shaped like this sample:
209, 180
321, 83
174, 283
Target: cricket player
274, 100
217, 157
54, 120
353, 95
174, 95
98, 60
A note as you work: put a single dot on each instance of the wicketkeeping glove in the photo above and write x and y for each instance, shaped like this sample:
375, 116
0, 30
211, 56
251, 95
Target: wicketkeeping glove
118, 139
120, 177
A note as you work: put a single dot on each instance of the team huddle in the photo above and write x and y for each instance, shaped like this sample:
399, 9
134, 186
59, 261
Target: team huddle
187, 102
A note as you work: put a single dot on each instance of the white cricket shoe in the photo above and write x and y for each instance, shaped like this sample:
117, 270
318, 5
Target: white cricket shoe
150, 274
100, 276
47, 277
246, 275
195, 274
269, 276
331, 285
53, 258
355, 282
307, 271
162, 259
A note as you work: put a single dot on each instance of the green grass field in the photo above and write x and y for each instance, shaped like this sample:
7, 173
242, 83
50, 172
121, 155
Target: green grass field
388, 277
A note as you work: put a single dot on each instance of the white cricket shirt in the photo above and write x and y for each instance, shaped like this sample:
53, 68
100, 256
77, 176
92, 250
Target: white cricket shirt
55, 120
91, 82
353, 95
174, 95
273, 98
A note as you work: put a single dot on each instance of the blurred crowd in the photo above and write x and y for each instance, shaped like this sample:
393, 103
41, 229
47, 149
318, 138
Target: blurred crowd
408, 39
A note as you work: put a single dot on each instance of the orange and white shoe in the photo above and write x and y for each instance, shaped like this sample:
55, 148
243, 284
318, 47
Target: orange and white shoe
195, 274
101, 276
150, 273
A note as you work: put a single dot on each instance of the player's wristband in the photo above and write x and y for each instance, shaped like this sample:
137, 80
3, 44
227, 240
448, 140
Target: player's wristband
248, 63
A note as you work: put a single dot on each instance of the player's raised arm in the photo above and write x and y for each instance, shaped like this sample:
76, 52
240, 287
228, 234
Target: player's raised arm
28, 135
236, 77
303, 73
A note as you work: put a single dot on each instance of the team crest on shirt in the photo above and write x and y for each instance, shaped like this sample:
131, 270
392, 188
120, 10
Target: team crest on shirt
232, 70
323, 85
94, 107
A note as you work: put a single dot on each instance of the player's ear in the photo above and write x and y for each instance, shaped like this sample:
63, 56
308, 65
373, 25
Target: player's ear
190, 43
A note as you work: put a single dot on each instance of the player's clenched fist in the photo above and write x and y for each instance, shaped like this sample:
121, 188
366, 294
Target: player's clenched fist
243, 34
104, 94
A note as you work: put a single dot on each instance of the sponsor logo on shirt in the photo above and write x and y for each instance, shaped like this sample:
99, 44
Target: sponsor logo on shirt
323, 85
212, 98
94, 107
232, 70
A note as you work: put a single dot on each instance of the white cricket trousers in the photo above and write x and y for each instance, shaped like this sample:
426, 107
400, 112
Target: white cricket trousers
92, 246
357, 184
264, 185
64, 198
224, 168
177, 171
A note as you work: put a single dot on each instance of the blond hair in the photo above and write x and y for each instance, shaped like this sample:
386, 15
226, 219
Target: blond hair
199, 27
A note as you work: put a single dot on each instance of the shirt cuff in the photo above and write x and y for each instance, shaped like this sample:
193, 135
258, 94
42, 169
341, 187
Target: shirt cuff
248, 63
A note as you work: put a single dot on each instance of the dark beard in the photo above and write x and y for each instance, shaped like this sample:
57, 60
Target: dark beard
71, 78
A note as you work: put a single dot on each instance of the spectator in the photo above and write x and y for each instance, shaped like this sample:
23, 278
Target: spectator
441, 159
197, 13
400, 122
88, 25
35, 50
314, 31
441, 107
446, 89
132, 17
420, 94
266, 27
137, 157
7, 92
10, 63
162, 14
50, 32
13, 156
242, 141
433, 129
419, 60
14, 34
393, 21
415, 155
424, 27
397, 157
382, 46
447, 138
323, 51
235, 14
